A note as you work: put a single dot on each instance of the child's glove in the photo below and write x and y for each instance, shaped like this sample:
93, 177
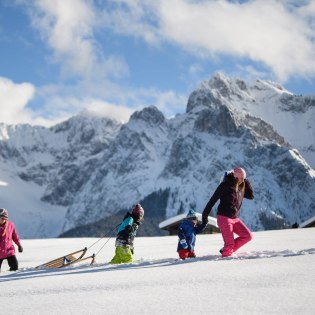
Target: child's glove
183, 243
20, 247
205, 220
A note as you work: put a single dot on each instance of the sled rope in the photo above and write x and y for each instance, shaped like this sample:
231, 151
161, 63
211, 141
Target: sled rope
110, 233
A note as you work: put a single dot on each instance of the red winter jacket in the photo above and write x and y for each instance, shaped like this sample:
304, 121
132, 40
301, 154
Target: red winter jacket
7, 234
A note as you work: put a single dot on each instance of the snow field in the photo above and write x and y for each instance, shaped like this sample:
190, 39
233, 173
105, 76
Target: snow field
274, 273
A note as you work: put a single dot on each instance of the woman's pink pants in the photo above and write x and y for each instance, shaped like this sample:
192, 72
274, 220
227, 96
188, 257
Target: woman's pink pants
229, 226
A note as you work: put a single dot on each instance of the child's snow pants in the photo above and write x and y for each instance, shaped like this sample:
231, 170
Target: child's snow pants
229, 226
186, 253
123, 255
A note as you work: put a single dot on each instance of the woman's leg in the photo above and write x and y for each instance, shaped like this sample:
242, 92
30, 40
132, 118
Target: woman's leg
243, 232
225, 225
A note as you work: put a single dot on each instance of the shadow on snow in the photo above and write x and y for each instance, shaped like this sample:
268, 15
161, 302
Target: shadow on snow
28, 273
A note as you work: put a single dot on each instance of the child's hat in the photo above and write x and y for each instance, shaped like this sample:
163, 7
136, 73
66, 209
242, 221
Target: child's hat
4, 213
191, 215
138, 210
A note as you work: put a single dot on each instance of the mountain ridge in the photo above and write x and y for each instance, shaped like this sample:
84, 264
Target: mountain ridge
92, 167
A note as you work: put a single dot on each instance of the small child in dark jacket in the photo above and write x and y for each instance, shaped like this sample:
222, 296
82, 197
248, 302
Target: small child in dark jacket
187, 235
126, 233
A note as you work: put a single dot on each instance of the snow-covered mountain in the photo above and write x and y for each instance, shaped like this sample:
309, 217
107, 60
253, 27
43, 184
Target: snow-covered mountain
37, 163
292, 116
88, 168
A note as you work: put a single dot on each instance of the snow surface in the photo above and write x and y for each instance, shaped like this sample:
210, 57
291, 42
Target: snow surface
274, 273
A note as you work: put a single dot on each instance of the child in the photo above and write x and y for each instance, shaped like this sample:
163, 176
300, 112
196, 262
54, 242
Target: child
7, 234
187, 235
231, 192
126, 234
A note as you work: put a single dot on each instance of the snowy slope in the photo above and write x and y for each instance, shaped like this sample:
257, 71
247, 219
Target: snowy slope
274, 275
32, 216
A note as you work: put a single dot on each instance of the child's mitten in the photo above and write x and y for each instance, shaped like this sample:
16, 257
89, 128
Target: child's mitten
183, 244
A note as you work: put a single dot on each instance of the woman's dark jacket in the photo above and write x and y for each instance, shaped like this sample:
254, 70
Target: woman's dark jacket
230, 199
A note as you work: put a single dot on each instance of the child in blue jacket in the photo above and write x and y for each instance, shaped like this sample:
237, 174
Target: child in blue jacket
187, 235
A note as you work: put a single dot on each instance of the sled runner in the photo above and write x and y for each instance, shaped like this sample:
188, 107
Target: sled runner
67, 260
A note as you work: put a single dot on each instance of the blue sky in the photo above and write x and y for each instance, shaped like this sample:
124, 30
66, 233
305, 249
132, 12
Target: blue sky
113, 57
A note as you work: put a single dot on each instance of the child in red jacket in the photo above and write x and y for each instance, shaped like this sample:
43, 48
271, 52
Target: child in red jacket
7, 235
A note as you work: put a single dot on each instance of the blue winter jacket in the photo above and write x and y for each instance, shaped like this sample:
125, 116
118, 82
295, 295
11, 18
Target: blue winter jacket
187, 231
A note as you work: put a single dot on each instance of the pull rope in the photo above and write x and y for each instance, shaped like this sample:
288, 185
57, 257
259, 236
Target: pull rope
110, 233
103, 245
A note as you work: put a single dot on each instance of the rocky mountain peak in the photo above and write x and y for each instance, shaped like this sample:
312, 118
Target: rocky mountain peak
151, 115
218, 91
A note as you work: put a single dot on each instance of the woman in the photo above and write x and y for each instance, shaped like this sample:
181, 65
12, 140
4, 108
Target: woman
231, 192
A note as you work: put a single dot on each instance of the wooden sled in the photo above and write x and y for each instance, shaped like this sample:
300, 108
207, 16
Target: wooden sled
67, 260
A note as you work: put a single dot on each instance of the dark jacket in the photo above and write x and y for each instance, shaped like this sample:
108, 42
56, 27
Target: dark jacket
230, 199
127, 231
187, 231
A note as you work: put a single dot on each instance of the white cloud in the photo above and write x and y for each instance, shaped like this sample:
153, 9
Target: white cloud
248, 72
68, 27
279, 34
60, 102
13, 100
132, 17
115, 111
64, 101
195, 69
261, 30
